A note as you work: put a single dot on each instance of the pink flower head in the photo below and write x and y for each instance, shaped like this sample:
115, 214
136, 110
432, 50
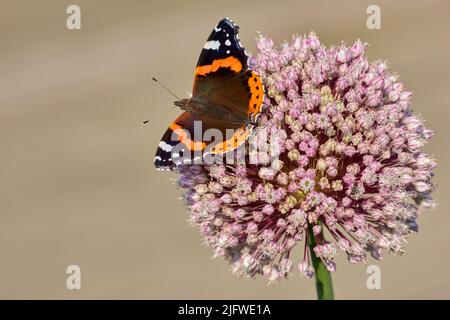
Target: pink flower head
349, 165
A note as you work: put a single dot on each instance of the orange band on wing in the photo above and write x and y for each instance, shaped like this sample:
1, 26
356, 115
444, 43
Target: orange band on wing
257, 94
239, 136
230, 62
184, 139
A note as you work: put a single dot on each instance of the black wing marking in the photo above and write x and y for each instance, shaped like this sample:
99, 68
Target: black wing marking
178, 145
222, 43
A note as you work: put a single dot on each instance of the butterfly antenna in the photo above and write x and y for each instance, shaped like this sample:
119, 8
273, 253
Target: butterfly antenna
159, 115
165, 88
168, 90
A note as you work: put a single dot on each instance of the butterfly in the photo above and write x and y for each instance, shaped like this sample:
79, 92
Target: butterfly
227, 96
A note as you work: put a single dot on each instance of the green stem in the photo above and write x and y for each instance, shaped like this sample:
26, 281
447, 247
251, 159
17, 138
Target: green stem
324, 284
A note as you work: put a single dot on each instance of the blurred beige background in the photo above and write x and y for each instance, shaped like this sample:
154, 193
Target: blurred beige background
77, 182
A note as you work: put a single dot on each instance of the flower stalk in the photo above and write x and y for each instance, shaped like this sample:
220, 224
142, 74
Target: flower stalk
324, 285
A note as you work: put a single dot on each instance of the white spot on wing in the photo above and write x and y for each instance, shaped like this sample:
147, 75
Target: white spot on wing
212, 45
228, 43
165, 147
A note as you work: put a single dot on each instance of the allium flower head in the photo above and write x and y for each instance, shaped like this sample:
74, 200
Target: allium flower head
349, 167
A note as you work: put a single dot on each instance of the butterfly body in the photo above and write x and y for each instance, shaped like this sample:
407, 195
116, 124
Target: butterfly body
226, 96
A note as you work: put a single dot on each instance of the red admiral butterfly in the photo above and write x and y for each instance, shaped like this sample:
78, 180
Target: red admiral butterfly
226, 95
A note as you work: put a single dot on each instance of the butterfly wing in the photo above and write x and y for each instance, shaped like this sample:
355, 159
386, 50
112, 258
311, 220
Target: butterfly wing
222, 78
186, 141
222, 48
177, 143
240, 94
